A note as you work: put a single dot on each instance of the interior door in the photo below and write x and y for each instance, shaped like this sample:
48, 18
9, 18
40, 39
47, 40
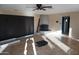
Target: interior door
65, 25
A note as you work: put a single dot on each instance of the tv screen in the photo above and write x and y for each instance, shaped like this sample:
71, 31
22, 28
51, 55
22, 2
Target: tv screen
14, 26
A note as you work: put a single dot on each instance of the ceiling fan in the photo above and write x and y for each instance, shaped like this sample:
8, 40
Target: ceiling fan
41, 7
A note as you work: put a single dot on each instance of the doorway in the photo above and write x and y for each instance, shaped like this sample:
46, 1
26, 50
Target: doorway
65, 25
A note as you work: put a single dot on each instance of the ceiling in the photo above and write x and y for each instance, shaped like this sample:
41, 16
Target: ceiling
57, 8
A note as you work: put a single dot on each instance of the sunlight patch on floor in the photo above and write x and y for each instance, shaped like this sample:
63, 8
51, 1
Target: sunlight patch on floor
33, 45
64, 47
25, 48
2, 47
52, 36
34, 48
49, 43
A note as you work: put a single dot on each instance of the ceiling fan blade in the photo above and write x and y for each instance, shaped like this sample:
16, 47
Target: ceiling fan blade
43, 9
47, 7
35, 9
39, 9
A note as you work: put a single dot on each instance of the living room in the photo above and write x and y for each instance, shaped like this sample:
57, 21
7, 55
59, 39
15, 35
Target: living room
39, 29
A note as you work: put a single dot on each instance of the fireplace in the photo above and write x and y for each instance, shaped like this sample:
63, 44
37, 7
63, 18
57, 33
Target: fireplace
44, 27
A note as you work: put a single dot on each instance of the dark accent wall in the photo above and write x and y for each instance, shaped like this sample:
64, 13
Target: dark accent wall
13, 26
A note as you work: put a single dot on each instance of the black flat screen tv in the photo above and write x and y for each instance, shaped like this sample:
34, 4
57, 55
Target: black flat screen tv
14, 26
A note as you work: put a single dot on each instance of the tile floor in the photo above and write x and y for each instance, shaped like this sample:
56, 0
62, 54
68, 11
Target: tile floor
56, 46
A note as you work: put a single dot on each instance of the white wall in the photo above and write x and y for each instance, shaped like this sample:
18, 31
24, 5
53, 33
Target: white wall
74, 22
44, 19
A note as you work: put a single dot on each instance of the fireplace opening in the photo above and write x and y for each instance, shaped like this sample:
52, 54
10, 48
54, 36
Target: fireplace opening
44, 27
